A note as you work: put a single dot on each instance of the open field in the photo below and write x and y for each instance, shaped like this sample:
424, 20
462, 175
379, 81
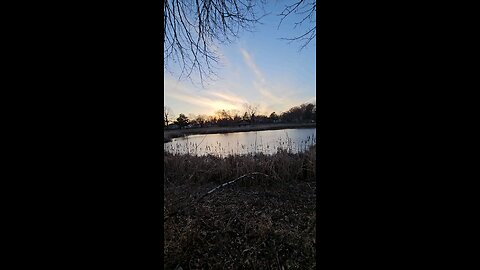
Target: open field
265, 219
170, 134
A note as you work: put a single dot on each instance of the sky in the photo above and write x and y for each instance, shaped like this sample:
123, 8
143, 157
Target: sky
258, 68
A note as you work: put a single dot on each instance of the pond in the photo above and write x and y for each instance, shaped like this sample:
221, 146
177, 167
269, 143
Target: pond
241, 143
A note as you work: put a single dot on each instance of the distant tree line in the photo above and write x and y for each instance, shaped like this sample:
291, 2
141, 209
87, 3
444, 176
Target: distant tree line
304, 113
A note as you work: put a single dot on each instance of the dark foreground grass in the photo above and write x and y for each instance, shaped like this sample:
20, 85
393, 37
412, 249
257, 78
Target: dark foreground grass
257, 222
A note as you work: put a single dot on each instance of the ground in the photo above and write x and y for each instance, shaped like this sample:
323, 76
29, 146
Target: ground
265, 221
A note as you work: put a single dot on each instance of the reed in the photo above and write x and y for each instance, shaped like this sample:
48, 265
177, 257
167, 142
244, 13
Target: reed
216, 149
240, 211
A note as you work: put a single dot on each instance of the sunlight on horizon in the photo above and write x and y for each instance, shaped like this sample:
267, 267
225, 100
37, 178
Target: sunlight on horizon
259, 69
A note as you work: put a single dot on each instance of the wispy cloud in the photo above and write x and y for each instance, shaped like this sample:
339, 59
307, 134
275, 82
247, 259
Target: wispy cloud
275, 96
227, 96
251, 64
235, 89
205, 101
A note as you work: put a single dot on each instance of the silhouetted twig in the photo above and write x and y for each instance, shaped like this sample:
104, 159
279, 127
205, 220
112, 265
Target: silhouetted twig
308, 9
191, 29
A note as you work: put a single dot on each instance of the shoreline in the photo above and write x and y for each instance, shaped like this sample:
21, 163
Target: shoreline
168, 135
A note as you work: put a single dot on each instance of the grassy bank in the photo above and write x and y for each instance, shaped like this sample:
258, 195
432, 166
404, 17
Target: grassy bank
264, 220
168, 135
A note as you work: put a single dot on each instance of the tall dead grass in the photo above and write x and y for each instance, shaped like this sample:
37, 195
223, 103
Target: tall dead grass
282, 167
266, 221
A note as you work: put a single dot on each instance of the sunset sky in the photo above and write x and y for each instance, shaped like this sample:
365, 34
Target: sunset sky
258, 68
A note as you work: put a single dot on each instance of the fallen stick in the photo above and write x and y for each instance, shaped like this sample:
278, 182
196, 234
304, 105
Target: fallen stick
212, 190
230, 182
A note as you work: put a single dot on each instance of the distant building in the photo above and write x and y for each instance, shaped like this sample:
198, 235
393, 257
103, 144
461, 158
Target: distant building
173, 126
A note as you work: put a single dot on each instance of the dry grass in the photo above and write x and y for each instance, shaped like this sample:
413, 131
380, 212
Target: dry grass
257, 222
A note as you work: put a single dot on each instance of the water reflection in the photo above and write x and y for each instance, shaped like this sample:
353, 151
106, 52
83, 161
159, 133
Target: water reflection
242, 143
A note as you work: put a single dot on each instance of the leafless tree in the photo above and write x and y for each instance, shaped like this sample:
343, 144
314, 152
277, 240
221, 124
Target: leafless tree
307, 9
193, 118
201, 119
223, 115
234, 113
193, 27
167, 112
250, 109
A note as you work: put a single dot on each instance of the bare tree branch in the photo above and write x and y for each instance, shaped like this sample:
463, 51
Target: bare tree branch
250, 109
167, 114
192, 28
308, 10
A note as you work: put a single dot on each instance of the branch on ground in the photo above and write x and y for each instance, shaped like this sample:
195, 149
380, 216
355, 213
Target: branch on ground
212, 190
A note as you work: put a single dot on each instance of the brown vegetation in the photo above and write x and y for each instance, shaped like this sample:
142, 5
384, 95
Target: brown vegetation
265, 219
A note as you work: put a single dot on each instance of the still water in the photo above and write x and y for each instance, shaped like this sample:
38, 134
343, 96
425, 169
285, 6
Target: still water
241, 143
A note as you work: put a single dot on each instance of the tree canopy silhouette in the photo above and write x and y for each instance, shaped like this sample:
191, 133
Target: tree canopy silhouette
182, 120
